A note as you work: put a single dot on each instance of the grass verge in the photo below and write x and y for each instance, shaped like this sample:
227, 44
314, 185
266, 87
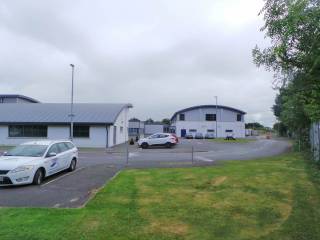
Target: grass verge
272, 198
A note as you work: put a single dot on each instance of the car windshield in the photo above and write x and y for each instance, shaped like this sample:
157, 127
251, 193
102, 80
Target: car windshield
28, 151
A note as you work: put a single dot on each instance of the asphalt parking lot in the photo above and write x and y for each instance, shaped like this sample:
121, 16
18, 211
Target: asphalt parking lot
97, 167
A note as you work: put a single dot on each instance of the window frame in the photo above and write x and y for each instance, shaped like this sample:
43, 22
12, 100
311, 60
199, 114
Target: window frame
49, 150
182, 117
28, 131
66, 148
212, 118
75, 130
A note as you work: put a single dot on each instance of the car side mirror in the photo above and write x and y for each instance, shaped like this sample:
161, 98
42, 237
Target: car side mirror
52, 154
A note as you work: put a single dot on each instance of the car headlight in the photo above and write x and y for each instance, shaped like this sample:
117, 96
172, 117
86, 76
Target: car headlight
22, 169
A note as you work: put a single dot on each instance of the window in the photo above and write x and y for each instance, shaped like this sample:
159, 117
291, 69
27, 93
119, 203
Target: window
166, 129
28, 131
163, 135
181, 117
211, 117
192, 130
53, 149
229, 131
133, 130
70, 145
210, 130
155, 136
30, 150
63, 147
81, 131
239, 117
121, 129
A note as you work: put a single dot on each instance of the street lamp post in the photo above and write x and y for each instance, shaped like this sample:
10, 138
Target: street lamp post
71, 105
216, 97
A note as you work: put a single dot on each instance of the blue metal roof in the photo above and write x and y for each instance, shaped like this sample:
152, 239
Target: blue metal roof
59, 113
207, 106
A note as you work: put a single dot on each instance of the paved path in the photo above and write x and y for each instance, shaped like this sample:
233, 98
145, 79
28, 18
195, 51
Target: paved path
95, 168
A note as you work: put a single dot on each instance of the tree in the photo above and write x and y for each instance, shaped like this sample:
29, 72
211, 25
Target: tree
281, 129
166, 121
134, 120
149, 120
254, 125
294, 56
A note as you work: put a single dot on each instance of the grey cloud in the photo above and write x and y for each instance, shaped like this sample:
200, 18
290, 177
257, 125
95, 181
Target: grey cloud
159, 55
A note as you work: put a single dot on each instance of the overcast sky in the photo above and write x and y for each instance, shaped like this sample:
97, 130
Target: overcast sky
160, 55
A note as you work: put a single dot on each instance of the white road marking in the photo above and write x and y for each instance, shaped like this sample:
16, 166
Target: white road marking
204, 159
74, 200
62, 176
133, 154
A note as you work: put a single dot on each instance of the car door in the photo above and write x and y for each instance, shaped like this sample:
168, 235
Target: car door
163, 138
154, 139
53, 163
65, 155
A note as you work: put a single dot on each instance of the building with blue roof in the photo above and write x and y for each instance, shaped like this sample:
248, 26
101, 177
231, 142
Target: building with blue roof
100, 125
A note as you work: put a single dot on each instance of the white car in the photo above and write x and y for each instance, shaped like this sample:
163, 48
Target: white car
31, 162
158, 139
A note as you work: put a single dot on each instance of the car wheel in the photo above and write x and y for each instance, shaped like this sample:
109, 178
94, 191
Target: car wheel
73, 165
38, 177
144, 145
168, 145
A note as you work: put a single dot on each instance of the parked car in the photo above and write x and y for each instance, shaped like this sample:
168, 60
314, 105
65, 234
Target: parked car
198, 136
158, 139
31, 162
189, 136
209, 136
176, 137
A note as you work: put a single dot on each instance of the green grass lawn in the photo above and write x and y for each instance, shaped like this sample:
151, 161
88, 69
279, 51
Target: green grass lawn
238, 140
274, 198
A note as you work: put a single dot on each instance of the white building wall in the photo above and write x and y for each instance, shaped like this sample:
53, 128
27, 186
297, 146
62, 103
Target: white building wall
150, 129
6, 140
203, 126
196, 119
58, 132
110, 136
121, 122
97, 136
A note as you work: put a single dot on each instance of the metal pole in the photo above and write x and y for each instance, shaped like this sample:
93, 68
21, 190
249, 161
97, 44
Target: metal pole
216, 116
192, 153
127, 154
71, 107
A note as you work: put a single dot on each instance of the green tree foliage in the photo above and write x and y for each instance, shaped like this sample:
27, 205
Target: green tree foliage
149, 120
254, 125
166, 121
281, 129
134, 119
294, 55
